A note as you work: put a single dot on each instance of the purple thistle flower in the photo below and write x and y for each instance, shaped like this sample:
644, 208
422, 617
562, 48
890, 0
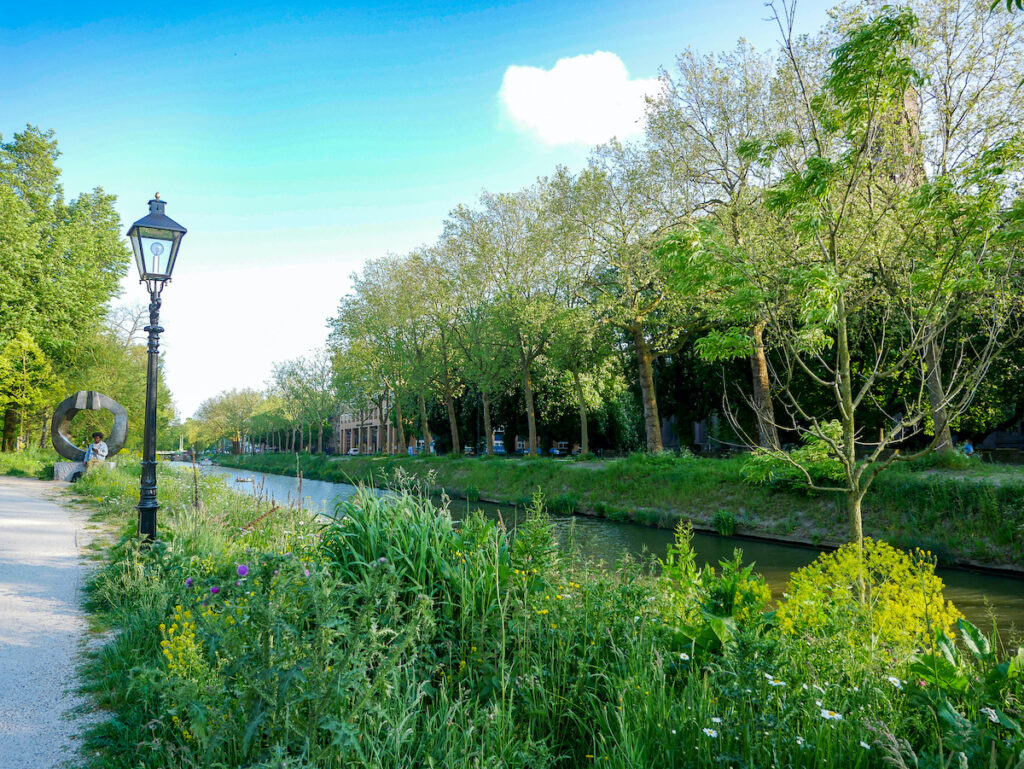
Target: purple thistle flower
242, 570
306, 572
383, 559
214, 590
188, 582
238, 582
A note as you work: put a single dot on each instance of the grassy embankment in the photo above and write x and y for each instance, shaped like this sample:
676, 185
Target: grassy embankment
31, 463
975, 514
394, 638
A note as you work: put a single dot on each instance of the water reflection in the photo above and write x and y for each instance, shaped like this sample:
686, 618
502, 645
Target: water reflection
981, 597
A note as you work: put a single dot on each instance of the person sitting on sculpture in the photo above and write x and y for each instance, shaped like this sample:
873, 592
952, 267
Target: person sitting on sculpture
97, 451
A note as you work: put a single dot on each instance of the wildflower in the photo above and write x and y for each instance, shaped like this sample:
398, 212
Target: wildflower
684, 656
636, 618
894, 681
776, 682
992, 715
710, 732
831, 715
242, 570
238, 583
716, 720
865, 745
382, 559
214, 590
306, 572
799, 740
188, 582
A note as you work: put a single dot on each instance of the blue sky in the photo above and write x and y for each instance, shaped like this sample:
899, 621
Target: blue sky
297, 140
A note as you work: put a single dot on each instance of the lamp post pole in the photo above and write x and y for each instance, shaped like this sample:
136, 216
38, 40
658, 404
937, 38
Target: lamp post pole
147, 492
155, 240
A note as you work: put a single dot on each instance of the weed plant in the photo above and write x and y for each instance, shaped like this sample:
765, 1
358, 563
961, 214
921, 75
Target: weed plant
391, 636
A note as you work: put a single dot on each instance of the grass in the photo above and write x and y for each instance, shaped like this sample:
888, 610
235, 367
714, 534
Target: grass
393, 637
971, 513
30, 463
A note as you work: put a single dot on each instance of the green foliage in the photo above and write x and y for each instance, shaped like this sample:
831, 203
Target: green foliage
391, 636
724, 522
967, 696
874, 594
27, 380
812, 464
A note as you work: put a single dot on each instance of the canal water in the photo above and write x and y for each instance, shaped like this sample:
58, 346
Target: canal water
983, 598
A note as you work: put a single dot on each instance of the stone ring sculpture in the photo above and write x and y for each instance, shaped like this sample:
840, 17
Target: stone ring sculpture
87, 400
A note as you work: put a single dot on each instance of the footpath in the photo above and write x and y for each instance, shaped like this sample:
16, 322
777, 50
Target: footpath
41, 623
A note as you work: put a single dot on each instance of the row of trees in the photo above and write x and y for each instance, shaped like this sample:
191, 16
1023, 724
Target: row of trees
292, 413
61, 262
842, 214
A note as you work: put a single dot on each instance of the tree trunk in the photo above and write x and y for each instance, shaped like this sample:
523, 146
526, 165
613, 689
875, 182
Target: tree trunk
10, 429
488, 432
42, 431
320, 438
767, 434
937, 396
401, 427
584, 434
450, 403
531, 417
652, 424
844, 373
427, 438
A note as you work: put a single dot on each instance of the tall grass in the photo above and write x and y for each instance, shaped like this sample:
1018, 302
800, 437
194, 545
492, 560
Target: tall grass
394, 637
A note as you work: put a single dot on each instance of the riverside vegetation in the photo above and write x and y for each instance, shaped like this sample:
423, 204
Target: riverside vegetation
970, 512
392, 637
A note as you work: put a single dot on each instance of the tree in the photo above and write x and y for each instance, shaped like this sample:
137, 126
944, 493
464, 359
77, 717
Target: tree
27, 381
308, 384
516, 238
60, 262
616, 211
229, 415
699, 131
476, 326
864, 274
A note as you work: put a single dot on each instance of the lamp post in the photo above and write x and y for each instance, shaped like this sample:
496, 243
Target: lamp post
155, 241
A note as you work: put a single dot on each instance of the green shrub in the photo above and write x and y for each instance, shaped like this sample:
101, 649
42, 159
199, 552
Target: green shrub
879, 594
724, 522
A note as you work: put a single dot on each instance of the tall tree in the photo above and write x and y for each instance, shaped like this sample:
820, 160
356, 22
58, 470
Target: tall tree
60, 261
866, 272
618, 209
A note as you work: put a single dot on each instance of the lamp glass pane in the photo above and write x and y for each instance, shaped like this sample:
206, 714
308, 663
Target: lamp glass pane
157, 249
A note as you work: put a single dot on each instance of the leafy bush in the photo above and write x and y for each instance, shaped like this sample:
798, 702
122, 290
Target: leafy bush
880, 594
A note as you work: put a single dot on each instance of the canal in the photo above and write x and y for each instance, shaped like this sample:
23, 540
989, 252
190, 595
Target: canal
983, 598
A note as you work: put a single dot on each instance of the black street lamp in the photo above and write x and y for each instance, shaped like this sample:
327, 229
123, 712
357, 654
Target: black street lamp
155, 241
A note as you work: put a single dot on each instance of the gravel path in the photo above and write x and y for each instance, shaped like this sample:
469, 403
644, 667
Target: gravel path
41, 622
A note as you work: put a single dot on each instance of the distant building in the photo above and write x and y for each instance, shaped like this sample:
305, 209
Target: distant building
361, 429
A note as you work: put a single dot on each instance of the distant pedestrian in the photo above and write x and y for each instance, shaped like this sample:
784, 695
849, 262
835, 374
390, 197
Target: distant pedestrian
967, 448
96, 453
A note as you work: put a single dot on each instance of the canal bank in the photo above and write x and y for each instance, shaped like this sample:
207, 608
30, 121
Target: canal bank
973, 518
985, 599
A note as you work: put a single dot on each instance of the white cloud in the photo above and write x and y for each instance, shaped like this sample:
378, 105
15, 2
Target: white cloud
582, 99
